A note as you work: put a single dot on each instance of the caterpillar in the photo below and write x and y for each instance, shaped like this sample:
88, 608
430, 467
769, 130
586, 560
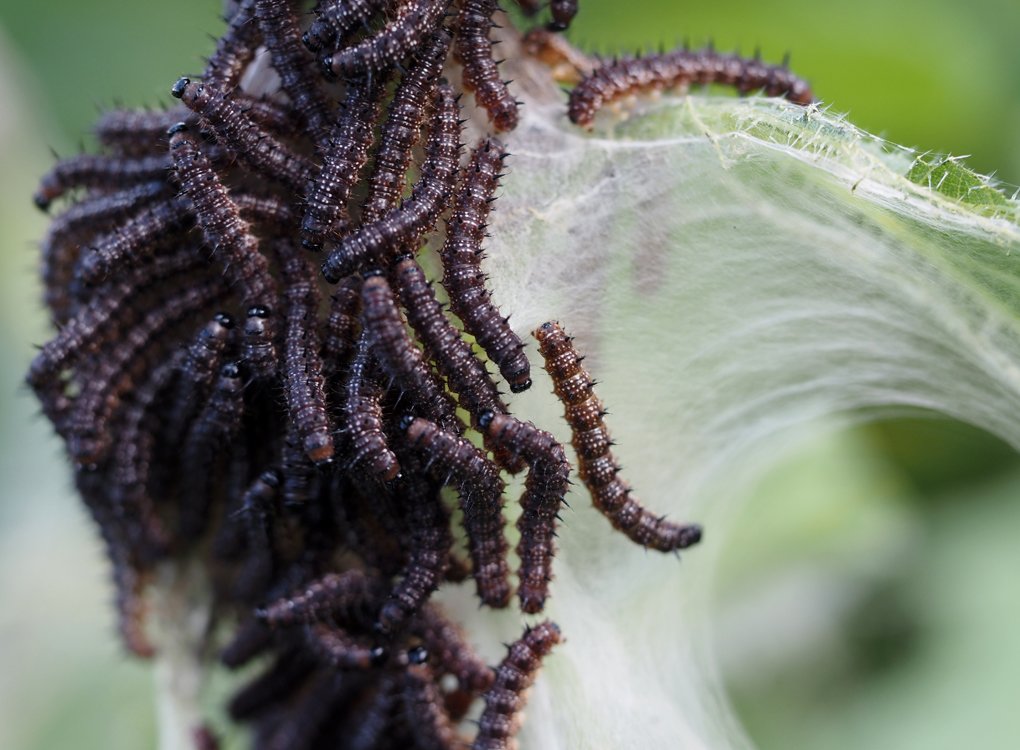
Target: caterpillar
403, 121
281, 35
417, 498
596, 465
336, 20
250, 142
480, 70
415, 20
89, 436
679, 69
546, 486
505, 700
221, 223
401, 226
95, 171
399, 357
326, 205
363, 417
304, 385
462, 274
481, 489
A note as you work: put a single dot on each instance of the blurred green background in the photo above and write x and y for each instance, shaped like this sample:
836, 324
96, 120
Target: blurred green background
869, 599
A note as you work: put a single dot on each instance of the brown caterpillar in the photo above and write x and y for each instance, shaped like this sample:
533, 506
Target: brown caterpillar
197, 373
273, 215
343, 324
450, 652
350, 597
256, 516
282, 37
453, 355
505, 700
680, 69
89, 439
304, 385
462, 274
95, 171
224, 230
426, 715
75, 227
236, 48
417, 498
132, 455
134, 242
596, 465
481, 489
336, 20
481, 72
342, 650
105, 317
546, 486
347, 151
403, 121
363, 418
138, 132
401, 226
249, 141
209, 439
415, 20
103, 322
399, 357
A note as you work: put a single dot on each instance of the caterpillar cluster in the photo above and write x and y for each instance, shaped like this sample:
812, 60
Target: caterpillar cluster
252, 369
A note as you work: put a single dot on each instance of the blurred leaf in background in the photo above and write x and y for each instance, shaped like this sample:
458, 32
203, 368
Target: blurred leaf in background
896, 538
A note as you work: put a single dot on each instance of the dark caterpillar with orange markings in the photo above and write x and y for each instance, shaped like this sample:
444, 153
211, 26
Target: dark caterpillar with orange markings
400, 227
281, 34
505, 700
304, 385
403, 121
399, 357
462, 273
326, 211
481, 71
415, 20
248, 140
236, 247
481, 491
546, 486
597, 467
678, 70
